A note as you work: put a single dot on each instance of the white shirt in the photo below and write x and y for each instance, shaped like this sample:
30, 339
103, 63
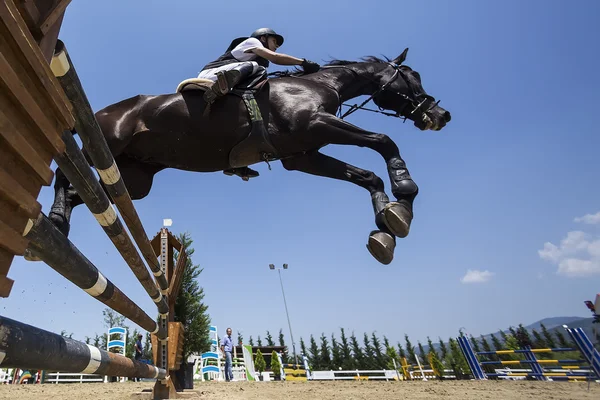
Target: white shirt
241, 51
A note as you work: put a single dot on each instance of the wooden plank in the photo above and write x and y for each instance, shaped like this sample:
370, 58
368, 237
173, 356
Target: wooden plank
155, 243
54, 15
48, 42
12, 240
12, 162
173, 241
20, 146
29, 12
11, 190
177, 279
6, 283
29, 105
17, 30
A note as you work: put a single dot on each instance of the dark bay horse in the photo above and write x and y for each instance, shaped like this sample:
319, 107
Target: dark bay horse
147, 134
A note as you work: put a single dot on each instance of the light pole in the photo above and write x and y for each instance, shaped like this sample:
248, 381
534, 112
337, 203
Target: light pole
285, 266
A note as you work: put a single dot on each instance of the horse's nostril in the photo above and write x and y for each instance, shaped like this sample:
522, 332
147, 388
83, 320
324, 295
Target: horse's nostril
447, 116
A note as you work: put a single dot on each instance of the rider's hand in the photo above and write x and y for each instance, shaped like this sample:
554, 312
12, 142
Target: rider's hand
310, 67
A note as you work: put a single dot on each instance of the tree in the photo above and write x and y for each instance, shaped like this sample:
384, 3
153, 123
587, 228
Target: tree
430, 345
391, 355
488, 357
303, 348
251, 341
190, 308
443, 349
240, 338
258, 341
259, 362
359, 357
284, 355
410, 350
347, 359
64, 333
422, 353
562, 341
538, 341
523, 337
401, 352
275, 365
324, 355
496, 342
380, 356
475, 344
369, 352
457, 360
548, 337
314, 357
503, 336
269, 338
436, 364
337, 358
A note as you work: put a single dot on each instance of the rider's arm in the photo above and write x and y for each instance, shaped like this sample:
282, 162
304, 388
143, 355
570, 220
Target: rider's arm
276, 58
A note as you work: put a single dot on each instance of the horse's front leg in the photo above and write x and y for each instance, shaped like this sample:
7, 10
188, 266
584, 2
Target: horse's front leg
398, 215
381, 242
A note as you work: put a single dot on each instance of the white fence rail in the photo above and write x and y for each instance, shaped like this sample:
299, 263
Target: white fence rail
64, 377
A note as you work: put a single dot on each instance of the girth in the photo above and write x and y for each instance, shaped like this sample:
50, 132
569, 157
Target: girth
256, 147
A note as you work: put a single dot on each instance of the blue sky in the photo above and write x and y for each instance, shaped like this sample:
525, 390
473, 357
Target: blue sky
508, 190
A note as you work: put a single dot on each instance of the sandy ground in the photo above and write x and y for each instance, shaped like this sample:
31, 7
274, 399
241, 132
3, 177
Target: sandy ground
464, 390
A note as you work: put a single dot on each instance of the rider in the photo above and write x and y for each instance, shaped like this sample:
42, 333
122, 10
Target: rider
246, 57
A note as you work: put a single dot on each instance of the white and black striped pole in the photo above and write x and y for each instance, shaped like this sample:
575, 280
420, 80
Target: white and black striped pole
27, 347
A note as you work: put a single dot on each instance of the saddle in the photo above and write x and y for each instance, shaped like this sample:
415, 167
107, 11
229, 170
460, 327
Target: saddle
256, 147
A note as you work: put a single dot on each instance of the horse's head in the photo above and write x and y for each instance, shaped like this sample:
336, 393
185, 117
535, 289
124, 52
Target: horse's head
401, 91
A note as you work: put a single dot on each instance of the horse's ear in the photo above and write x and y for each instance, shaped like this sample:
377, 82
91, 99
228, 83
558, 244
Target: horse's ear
400, 59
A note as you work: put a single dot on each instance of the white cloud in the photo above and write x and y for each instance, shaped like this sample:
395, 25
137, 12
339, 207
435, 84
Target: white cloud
575, 267
589, 219
578, 254
476, 276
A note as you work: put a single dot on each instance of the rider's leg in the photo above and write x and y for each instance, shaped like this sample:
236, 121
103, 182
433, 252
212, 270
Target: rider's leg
227, 77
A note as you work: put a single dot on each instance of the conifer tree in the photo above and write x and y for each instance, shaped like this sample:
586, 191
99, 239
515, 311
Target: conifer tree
337, 359
269, 338
324, 356
422, 353
303, 349
430, 345
369, 352
523, 337
562, 341
457, 360
475, 344
275, 365
359, 357
443, 349
284, 355
391, 354
380, 357
410, 351
314, 357
348, 361
251, 341
401, 352
548, 337
258, 341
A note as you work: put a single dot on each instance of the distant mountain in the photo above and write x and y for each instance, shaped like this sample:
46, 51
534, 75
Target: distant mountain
552, 324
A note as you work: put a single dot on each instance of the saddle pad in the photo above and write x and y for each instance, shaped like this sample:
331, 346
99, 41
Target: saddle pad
194, 84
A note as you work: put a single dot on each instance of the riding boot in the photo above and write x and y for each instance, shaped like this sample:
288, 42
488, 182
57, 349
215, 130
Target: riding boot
226, 81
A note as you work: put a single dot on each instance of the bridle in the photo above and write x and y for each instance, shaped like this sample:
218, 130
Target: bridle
410, 100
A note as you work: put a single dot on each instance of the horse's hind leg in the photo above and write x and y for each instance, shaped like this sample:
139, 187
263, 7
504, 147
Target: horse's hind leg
381, 243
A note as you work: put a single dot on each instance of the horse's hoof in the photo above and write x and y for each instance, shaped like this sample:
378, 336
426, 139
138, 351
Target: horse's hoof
28, 255
381, 245
397, 218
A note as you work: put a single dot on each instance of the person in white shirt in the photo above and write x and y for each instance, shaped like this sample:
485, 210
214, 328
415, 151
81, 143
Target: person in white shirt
247, 57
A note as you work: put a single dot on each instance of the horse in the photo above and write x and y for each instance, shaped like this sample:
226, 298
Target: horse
148, 133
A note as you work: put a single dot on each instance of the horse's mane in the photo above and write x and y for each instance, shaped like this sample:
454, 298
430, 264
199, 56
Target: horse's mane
332, 63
